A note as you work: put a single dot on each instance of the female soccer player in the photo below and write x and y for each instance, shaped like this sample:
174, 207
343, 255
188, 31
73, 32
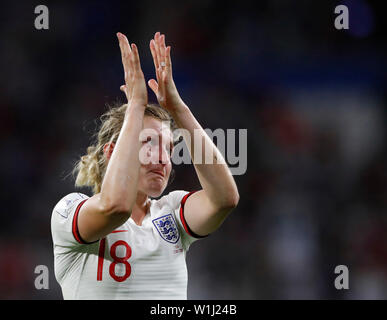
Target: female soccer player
120, 243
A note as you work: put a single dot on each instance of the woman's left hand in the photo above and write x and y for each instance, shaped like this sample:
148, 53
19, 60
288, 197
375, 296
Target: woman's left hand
164, 87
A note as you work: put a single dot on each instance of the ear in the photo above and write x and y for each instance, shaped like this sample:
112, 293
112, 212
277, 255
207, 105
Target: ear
108, 149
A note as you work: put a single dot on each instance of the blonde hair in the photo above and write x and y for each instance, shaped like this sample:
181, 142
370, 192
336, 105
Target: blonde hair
91, 168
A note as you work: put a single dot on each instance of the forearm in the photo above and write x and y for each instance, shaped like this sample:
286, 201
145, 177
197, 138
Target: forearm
119, 186
213, 173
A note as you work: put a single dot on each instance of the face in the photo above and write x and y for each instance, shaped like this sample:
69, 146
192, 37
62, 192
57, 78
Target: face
155, 157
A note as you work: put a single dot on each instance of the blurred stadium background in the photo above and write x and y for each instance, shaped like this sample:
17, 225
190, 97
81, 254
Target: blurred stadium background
313, 99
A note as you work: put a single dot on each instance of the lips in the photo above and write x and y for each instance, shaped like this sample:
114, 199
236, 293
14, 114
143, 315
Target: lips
160, 173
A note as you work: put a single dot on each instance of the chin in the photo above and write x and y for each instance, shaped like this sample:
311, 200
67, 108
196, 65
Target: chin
155, 190
155, 193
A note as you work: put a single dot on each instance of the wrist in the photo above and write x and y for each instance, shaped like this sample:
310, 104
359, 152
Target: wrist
137, 104
134, 109
178, 110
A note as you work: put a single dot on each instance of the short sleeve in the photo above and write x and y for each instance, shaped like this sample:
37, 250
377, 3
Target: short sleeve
177, 200
64, 220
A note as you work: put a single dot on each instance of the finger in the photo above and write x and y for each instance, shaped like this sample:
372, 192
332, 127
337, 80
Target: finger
122, 50
126, 44
163, 57
168, 61
135, 58
162, 48
127, 90
154, 54
153, 85
125, 55
155, 59
124, 47
157, 48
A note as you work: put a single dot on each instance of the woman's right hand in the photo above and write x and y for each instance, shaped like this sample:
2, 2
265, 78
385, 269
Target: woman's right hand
135, 88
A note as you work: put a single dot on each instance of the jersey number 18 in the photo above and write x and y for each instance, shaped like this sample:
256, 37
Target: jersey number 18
116, 260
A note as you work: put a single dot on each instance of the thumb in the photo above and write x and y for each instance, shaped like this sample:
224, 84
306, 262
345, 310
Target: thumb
153, 85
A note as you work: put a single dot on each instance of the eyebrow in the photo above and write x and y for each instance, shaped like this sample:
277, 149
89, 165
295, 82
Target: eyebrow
149, 137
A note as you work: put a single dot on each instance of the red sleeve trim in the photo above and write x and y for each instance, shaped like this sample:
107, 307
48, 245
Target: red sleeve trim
182, 218
75, 230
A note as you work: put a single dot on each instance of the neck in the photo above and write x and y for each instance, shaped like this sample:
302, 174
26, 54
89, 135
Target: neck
140, 208
142, 202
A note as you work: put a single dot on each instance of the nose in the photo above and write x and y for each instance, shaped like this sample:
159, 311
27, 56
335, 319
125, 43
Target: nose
163, 155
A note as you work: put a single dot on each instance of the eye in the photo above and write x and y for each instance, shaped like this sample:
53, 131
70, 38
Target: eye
170, 149
178, 140
146, 140
149, 139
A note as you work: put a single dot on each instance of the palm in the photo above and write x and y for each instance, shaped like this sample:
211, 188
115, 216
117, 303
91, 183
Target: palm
135, 87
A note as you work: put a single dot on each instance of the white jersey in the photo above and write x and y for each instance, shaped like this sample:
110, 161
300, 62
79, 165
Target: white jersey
132, 262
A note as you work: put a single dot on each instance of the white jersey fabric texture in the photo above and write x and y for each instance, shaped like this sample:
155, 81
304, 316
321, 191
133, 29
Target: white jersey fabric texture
146, 262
